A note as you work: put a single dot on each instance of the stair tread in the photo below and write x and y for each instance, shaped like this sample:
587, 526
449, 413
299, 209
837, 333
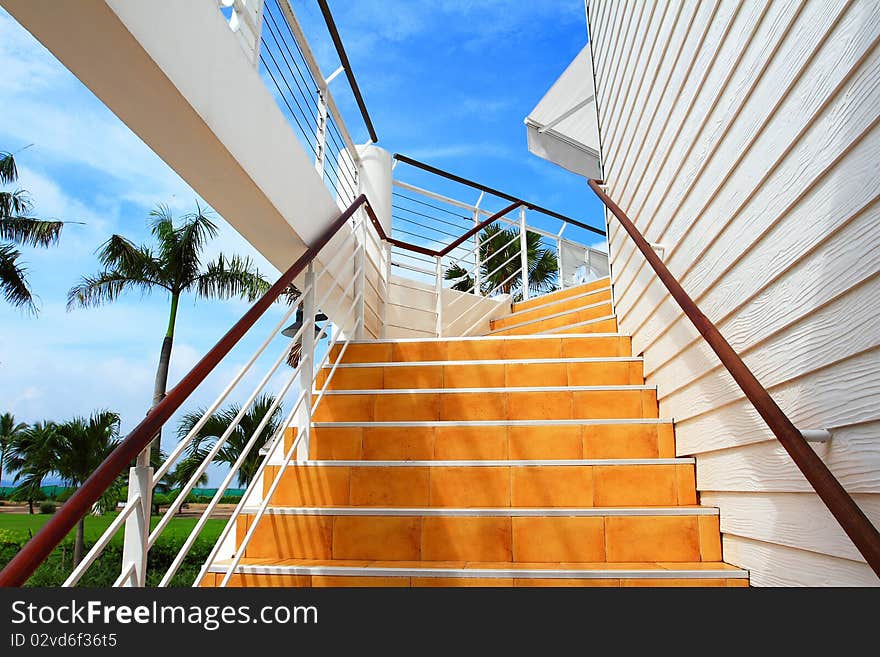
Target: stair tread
523, 569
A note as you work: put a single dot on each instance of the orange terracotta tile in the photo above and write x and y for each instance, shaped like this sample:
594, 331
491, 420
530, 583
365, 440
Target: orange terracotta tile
593, 313
407, 407
604, 326
344, 408
650, 407
652, 538
603, 373
390, 538
467, 538
686, 484
597, 404
378, 352
620, 441
290, 537
552, 441
536, 348
208, 580
418, 351
475, 350
353, 378
634, 485
535, 374
309, 485
389, 486
668, 583
470, 443
473, 406
470, 486
600, 347
439, 582
473, 376
552, 486
539, 405
665, 441
322, 581
579, 582
419, 376
710, 538
558, 539
398, 443
336, 443
743, 582
636, 373
289, 437
266, 580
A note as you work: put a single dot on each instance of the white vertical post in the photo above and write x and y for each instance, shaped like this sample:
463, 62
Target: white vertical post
321, 136
560, 281
137, 525
438, 284
386, 249
307, 361
524, 253
477, 255
360, 287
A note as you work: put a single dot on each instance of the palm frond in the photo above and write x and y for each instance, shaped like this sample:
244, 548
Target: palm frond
183, 250
32, 232
120, 254
464, 282
235, 276
104, 287
8, 170
13, 279
15, 204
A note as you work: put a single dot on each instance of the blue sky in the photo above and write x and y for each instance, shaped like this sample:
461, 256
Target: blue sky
446, 81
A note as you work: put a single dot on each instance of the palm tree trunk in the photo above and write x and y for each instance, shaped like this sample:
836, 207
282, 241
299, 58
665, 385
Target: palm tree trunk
30, 506
161, 383
78, 544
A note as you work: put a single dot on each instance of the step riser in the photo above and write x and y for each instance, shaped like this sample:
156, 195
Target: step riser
593, 441
266, 580
553, 309
572, 486
605, 326
562, 294
486, 539
489, 376
488, 349
550, 405
560, 321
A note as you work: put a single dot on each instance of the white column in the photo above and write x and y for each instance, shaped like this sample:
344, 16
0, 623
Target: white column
137, 525
307, 362
524, 253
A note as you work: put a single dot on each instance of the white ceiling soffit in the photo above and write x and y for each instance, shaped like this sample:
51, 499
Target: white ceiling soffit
564, 126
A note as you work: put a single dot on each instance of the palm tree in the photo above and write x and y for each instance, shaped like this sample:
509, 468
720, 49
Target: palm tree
500, 250
81, 445
235, 443
17, 227
173, 265
34, 457
10, 431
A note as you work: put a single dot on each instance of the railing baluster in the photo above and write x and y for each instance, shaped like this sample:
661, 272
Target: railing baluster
438, 286
135, 544
307, 358
524, 252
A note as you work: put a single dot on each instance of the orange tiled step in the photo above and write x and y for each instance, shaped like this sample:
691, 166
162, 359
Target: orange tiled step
562, 294
580, 483
602, 295
622, 439
485, 348
606, 325
321, 572
505, 534
626, 370
578, 316
547, 403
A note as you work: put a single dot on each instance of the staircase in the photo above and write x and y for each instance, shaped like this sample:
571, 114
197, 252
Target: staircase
532, 456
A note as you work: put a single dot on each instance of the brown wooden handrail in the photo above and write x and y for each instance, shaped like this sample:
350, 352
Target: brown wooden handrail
842, 506
23, 564
445, 251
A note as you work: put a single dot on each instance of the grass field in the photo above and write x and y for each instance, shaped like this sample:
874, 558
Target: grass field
178, 529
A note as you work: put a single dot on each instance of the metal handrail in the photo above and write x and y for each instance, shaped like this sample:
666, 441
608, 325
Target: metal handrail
489, 190
852, 519
28, 559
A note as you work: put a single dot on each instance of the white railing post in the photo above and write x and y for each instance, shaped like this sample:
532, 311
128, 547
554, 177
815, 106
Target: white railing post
137, 525
438, 284
386, 249
247, 21
524, 253
477, 281
321, 136
307, 362
360, 286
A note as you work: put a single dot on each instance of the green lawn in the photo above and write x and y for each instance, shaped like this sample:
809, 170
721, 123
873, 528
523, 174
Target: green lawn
179, 528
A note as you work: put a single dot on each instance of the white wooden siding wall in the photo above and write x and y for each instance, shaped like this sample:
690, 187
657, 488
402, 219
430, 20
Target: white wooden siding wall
744, 136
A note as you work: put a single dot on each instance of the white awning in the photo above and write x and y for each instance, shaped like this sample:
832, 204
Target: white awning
564, 126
